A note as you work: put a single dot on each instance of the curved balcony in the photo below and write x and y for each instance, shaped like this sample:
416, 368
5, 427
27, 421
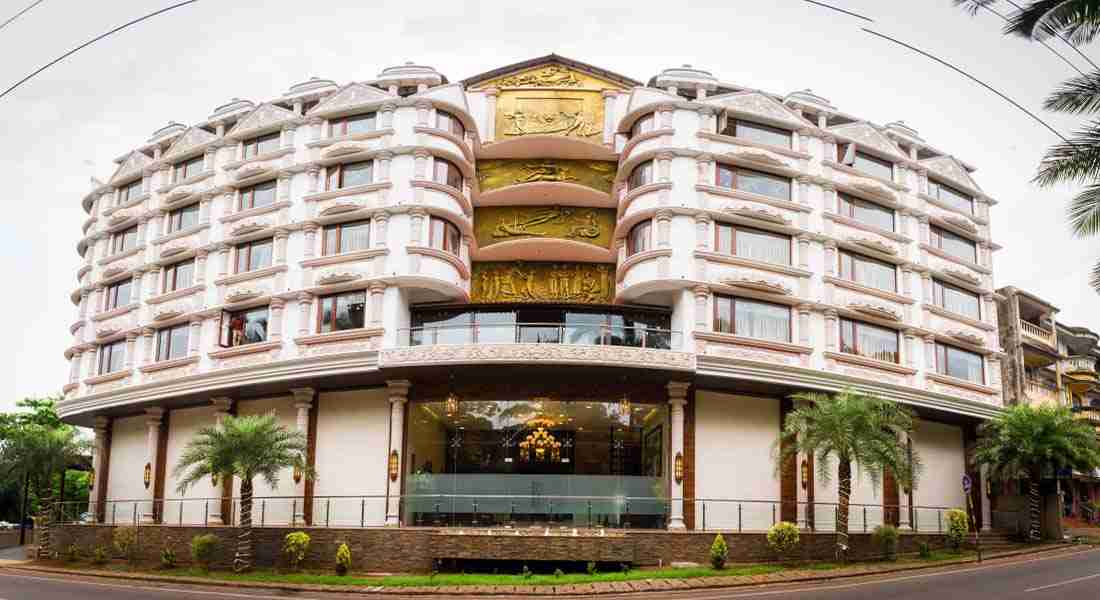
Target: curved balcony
545, 192
443, 141
369, 196
738, 150
541, 146
1080, 372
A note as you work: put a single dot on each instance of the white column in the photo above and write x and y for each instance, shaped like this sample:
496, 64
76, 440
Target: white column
194, 337
677, 398
491, 113
222, 407
152, 441
987, 513
305, 303
399, 395
377, 289
275, 328
609, 116
303, 402
102, 428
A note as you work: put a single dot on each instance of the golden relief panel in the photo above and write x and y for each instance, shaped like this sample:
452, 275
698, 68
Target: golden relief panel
552, 76
495, 174
573, 283
493, 224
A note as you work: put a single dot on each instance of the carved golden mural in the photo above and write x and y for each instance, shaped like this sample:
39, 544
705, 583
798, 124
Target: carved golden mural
495, 174
574, 283
493, 224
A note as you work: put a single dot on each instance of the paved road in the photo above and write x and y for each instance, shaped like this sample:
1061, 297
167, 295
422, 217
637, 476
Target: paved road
1050, 577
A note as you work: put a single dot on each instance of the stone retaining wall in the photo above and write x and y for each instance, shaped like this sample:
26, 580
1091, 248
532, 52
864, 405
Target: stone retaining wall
413, 549
10, 537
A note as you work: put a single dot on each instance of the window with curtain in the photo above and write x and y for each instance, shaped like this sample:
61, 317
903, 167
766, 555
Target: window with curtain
866, 163
259, 195
752, 318
642, 174
354, 124
349, 175
448, 122
640, 238
868, 271
179, 276
342, 311
346, 237
753, 243
243, 327
956, 300
262, 145
868, 213
124, 240
112, 357
172, 342
445, 172
187, 168
954, 244
444, 235
130, 191
870, 341
758, 132
951, 196
117, 294
755, 182
959, 363
182, 218
644, 124
255, 255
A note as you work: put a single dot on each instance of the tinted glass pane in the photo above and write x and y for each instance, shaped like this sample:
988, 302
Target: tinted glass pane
355, 236
951, 197
252, 326
764, 184
261, 195
184, 274
874, 166
866, 212
640, 236
763, 246
361, 123
332, 239
865, 271
642, 125
762, 134
874, 342
958, 300
119, 294
960, 363
956, 245
268, 143
357, 174
724, 241
261, 255
351, 311
496, 327
641, 175
183, 218
762, 320
726, 176
723, 314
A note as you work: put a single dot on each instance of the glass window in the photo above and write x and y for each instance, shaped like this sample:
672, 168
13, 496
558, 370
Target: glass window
644, 124
124, 240
259, 195
244, 327
355, 124
641, 175
758, 132
443, 235
182, 218
752, 318
179, 276
951, 197
343, 311
254, 255
448, 122
112, 357
349, 175
118, 294
956, 300
262, 145
130, 191
446, 173
868, 213
871, 341
187, 168
756, 182
346, 237
753, 243
954, 244
640, 238
956, 362
868, 271
861, 161
172, 342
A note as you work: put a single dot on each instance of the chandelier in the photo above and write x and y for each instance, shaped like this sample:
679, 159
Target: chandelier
450, 405
540, 444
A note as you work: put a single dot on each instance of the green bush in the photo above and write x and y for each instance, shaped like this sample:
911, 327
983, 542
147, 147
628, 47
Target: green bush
295, 547
203, 548
957, 528
343, 560
72, 553
526, 572
886, 537
126, 543
719, 552
783, 538
559, 573
925, 551
590, 568
99, 555
168, 558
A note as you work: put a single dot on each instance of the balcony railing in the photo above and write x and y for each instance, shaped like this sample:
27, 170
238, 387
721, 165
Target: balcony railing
1039, 334
1079, 364
1041, 391
542, 333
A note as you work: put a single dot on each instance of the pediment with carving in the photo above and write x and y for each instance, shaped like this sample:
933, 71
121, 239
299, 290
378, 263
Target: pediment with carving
963, 274
337, 276
179, 193
349, 98
253, 170
249, 226
242, 294
865, 134
872, 244
344, 148
117, 269
967, 336
950, 168
961, 222
341, 207
134, 164
759, 283
875, 309
758, 104
167, 311
757, 156
119, 218
107, 330
759, 213
873, 188
266, 116
193, 138
174, 250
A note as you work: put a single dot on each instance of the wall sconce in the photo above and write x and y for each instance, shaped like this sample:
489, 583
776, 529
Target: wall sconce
450, 405
394, 465
214, 480
297, 475
148, 477
678, 468
91, 479
624, 405
804, 471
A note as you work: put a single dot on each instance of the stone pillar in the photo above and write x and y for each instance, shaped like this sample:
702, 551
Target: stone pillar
223, 264
702, 316
386, 115
664, 228
830, 258
609, 117
423, 111
152, 443
664, 167
416, 226
194, 337
984, 483
911, 348
305, 303
384, 161
421, 157
303, 402
309, 228
200, 266
491, 113
287, 138
223, 408
281, 236
399, 395
74, 367
381, 218
677, 399
704, 170
135, 287
923, 234
282, 186
377, 288
131, 338
804, 336
150, 345
930, 353
702, 231
100, 467
275, 328
828, 198
313, 183
804, 251
832, 336
926, 287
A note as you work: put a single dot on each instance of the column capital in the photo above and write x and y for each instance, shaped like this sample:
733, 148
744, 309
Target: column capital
701, 291
677, 391
277, 302
303, 396
491, 91
831, 313
378, 287
305, 297
153, 415
101, 425
609, 93
399, 390
222, 403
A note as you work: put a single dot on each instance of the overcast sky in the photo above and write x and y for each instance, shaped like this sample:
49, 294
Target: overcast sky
70, 122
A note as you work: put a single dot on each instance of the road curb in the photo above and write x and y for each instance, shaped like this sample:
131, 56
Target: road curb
547, 590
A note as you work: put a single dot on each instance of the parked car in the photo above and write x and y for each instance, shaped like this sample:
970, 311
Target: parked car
6, 525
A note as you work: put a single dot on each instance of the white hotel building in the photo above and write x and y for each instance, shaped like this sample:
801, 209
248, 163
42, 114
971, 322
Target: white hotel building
544, 294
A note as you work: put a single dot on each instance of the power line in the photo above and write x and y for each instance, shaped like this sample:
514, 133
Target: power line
1063, 38
970, 77
840, 10
1045, 45
20, 13
92, 41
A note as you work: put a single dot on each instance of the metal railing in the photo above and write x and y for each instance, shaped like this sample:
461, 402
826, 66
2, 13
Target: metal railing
1038, 333
1085, 364
1040, 391
541, 333
501, 511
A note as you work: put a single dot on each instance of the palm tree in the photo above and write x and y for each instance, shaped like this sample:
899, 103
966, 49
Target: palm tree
855, 429
244, 447
1026, 442
1076, 21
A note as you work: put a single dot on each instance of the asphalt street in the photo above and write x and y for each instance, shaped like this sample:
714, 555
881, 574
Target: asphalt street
1046, 577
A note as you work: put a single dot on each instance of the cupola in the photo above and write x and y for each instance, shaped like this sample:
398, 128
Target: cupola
408, 78
685, 78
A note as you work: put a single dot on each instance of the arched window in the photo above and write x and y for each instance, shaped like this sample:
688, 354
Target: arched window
641, 175
446, 173
640, 238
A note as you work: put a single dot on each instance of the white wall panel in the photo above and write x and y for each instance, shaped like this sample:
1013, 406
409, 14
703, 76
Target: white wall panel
351, 456
125, 479
192, 506
281, 502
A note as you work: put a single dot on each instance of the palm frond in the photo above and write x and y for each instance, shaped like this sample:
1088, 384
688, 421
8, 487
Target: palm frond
1076, 95
1076, 160
1094, 276
1084, 211
1076, 20
972, 7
